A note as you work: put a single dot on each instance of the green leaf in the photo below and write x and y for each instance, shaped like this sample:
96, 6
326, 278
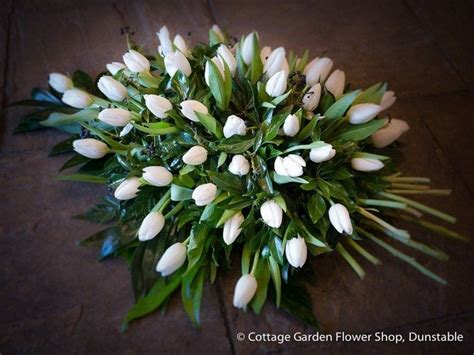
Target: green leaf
236, 144
256, 67
316, 144
211, 124
308, 129
83, 178
276, 277
103, 212
316, 207
156, 128
222, 159
57, 119
281, 179
191, 293
216, 84
296, 300
226, 181
74, 161
64, 146
373, 94
83, 81
362, 131
179, 193
339, 108
262, 274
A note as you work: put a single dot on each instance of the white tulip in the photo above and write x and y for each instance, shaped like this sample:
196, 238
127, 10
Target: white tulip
340, 218
172, 259
244, 290
226, 55
232, 228
234, 125
217, 30
276, 85
291, 165
366, 164
271, 213
247, 48
152, 224
157, 176
291, 127
239, 165
77, 98
310, 65
165, 41
265, 53
362, 113
60, 82
115, 67
276, 62
324, 153
390, 133
312, 97
388, 99
190, 107
136, 62
180, 43
204, 194
128, 189
158, 105
126, 130
90, 148
117, 117
113, 89
207, 70
296, 251
336, 82
177, 61
195, 155
318, 71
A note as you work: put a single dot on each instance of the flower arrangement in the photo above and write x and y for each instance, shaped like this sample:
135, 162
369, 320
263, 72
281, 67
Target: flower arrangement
227, 148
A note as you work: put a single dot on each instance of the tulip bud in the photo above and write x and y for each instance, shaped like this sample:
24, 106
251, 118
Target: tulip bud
60, 82
239, 165
232, 228
126, 130
128, 189
115, 67
204, 194
276, 62
136, 62
158, 105
226, 55
244, 290
117, 117
366, 164
291, 127
165, 41
112, 88
234, 125
296, 251
157, 176
177, 61
77, 98
247, 48
362, 113
388, 99
336, 82
207, 70
190, 107
340, 218
90, 148
390, 133
195, 156
320, 154
172, 259
317, 71
276, 85
312, 97
271, 213
152, 224
180, 43
216, 29
310, 65
265, 53
292, 165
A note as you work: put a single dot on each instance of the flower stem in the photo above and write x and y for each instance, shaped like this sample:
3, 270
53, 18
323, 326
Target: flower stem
397, 185
255, 262
383, 203
350, 260
163, 202
399, 232
438, 192
444, 216
401, 179
175, 210
363, 252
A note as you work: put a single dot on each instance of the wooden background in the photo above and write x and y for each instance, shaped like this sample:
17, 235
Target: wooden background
55, 296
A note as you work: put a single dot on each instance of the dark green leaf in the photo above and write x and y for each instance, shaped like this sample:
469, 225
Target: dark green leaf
339, 108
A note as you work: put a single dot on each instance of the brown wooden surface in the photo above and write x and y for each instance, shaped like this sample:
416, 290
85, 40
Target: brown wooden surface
55, 296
